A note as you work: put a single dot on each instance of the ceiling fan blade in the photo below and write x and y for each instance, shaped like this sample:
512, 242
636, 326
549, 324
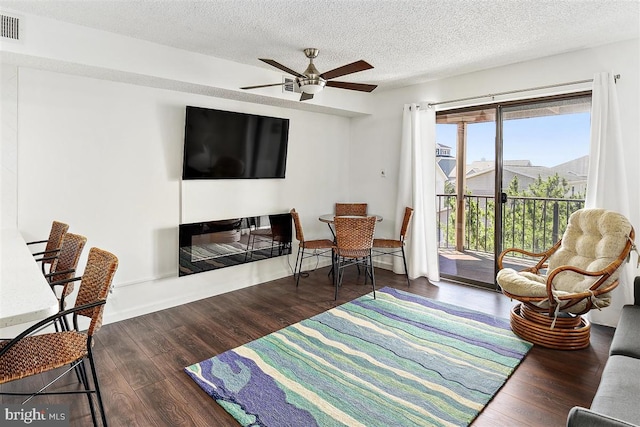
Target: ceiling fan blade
354, 67
256, 87
281, 67
306, 96
352, 86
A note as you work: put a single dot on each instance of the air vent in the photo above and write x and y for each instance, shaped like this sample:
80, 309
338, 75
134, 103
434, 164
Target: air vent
9, 27
290, 85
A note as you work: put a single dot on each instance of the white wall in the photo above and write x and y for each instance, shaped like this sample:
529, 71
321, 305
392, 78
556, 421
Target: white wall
9, 147
106, 158
376, 138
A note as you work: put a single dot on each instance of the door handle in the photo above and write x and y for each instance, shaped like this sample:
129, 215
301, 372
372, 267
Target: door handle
503, 197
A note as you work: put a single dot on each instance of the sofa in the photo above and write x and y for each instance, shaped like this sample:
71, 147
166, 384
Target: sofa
617, 400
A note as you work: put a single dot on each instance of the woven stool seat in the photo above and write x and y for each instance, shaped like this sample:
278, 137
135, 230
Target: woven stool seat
41, 353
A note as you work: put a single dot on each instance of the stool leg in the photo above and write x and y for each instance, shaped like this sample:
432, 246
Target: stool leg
406, 270
296, 270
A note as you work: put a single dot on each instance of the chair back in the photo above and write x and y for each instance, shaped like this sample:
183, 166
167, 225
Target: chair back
280, 227
297, 225
57, 232
355, 209
595, 240
65, 265
354, 235
94, 286
408, 213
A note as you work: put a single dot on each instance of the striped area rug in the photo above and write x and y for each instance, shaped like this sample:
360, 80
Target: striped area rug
398, 360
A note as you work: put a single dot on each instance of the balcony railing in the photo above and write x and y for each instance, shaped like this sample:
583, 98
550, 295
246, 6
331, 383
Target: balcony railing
530, 223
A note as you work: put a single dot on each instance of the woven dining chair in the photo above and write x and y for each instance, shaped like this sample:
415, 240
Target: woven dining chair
28, 354
354, 243
350, 209
346, 209
395, 247
52, 247
64, 268
320, 247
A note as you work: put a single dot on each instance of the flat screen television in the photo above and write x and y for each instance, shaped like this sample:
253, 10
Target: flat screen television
229, 145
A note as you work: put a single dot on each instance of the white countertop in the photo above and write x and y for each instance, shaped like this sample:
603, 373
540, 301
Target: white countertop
25, 295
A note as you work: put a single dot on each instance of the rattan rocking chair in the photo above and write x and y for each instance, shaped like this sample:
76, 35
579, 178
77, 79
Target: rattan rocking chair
573, 277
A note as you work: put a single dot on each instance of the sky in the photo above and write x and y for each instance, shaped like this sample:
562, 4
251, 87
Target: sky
545, 141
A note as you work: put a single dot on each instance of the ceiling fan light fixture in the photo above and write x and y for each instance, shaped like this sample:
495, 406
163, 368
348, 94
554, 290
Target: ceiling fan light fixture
311, 85
311, 81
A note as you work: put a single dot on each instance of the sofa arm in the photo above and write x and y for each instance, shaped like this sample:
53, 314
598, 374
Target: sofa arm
583, 417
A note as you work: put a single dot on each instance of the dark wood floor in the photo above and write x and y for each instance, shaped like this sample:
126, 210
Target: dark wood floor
140, 360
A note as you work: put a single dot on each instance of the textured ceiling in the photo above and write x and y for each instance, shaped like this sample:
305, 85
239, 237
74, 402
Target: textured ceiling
406, 41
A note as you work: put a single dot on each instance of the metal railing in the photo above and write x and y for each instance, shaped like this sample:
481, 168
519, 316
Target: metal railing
530, 223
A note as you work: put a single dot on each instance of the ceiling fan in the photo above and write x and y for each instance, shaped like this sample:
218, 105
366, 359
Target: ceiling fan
311, 81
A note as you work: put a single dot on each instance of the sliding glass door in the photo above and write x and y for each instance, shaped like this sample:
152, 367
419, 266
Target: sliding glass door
509, 175
545, 160
465, 200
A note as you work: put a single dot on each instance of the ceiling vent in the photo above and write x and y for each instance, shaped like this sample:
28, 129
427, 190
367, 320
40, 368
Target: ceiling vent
9, 27
290, 85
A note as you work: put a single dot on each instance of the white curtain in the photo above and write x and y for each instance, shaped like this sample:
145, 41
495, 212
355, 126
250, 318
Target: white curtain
607, 180
416, 189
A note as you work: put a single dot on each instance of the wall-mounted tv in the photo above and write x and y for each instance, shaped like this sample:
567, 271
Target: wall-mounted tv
229, 145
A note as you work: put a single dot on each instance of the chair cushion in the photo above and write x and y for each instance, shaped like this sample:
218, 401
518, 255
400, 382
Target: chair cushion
527, 284
594, 238
522, 283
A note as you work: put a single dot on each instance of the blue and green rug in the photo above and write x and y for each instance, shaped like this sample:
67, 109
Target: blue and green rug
398, 360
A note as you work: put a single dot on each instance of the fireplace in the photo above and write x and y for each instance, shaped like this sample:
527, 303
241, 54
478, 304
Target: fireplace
211, 245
